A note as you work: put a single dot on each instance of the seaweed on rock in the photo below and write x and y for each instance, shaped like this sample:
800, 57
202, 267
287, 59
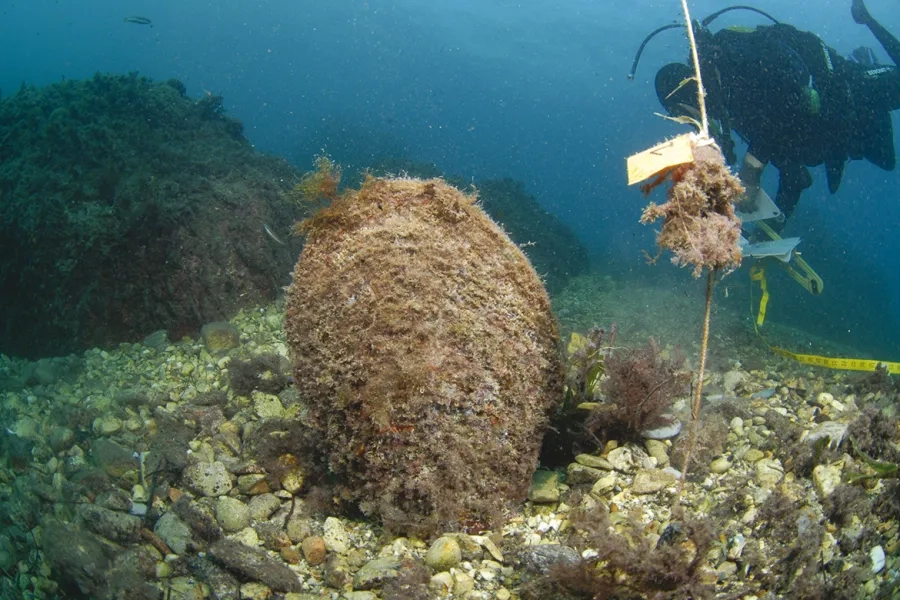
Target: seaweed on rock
640, 386
267, 373
129, 208
628, 564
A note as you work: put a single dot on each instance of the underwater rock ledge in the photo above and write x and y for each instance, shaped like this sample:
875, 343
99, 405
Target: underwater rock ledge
127, 208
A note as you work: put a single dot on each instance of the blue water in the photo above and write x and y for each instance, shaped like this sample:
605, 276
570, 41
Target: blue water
534, 90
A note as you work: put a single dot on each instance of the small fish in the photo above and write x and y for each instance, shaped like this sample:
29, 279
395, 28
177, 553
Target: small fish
272, 234
138, 21
763, 394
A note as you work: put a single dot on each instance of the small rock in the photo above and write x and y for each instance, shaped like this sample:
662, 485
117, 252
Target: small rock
604, 485
443, 554
248, 537
275, 321
878, 559
313, 548
720, 465
663, 432
290, 555
463, 584
45, 371
471, 549
113, 525
769, 471
736, 546
114, 459
732, 379
442, 583
737, 425
164, 570
826, 478
621, 459
726, 569
824, 399
255, 565
262, 506
577, 473
267, 406
61, 439
755, 438
649, 481
657, 450
222, 584
114, 500
489, 545
232, 514
158, 340
173, 532
540, 559
752, 455
834, 431
208, 479
293, 480
255, 591
298, 529
375, 572
595, 462
335, 536
185, 588
25, 428
139, 494
544, 487
336, 572
364, 595
220, 336
253, 484
273, 535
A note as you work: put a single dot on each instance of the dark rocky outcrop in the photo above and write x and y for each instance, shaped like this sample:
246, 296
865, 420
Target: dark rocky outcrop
126, 208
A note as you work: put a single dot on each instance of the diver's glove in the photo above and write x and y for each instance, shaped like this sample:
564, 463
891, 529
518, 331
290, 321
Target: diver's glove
750, 174
726, 144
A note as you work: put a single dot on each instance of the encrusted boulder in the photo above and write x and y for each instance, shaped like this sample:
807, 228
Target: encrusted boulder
425, 349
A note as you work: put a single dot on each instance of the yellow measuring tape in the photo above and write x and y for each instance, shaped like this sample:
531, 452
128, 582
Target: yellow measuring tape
758, 273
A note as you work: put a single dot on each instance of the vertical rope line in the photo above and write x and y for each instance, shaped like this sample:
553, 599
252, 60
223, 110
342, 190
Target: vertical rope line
698, 390
701, 92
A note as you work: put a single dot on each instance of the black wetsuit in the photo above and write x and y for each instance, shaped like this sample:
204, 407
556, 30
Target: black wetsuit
798, 103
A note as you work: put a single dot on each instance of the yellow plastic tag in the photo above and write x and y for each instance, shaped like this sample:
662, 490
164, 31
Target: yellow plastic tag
657, 159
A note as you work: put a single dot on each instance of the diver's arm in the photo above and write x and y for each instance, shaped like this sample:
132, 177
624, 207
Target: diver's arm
750, 174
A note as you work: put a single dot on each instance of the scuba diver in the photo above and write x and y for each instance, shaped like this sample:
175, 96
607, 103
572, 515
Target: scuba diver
796, 102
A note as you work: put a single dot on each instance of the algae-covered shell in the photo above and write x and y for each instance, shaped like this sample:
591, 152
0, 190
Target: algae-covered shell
423, 343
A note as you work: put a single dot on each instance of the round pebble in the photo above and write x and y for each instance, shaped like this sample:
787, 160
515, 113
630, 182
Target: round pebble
443, 554
752, 455
720, 465
232, 514
314, 551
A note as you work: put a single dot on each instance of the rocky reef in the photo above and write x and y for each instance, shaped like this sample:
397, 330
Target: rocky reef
128, 207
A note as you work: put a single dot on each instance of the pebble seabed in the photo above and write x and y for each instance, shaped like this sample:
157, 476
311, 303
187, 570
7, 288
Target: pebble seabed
223, 531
